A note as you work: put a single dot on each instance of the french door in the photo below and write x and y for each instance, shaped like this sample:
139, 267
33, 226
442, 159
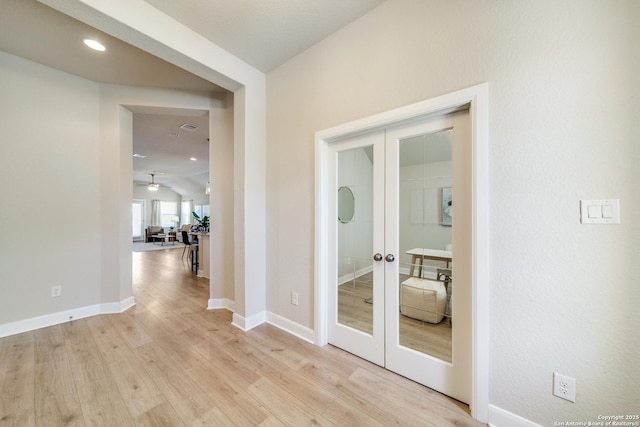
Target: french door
402, 266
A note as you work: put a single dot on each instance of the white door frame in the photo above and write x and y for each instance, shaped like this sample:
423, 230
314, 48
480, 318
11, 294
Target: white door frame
476, 97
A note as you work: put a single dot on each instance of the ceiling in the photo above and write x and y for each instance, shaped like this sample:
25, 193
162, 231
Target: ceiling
169, 150
263, 33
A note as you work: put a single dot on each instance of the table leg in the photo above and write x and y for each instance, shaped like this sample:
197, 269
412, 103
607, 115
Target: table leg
413, 265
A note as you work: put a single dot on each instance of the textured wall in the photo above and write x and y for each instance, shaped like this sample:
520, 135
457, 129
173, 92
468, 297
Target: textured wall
49, 173
563, 127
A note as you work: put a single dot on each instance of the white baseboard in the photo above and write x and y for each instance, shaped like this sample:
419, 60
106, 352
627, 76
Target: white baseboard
117, 307
351, 276
276, 320
248, 323
221, 303
427, 274
498, 417
59, 317
291, 327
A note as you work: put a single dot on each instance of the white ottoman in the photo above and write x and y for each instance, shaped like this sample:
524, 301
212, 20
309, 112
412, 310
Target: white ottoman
423, 299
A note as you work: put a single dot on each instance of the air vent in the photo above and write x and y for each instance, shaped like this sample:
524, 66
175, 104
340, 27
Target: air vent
190, 128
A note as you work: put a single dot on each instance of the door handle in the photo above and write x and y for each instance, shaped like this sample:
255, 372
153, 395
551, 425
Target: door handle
390, 258
377, 257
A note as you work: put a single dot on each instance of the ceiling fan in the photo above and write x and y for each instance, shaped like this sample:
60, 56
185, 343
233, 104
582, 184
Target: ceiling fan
153, 186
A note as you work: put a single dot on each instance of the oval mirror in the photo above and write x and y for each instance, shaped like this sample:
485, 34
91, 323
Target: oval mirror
346, 205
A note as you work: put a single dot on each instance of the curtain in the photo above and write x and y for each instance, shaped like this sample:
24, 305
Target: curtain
186, 209
155, 212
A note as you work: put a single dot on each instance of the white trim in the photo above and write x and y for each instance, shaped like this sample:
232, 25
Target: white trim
248, 323
276, 320
118, 307
477, 98
238, 321
480, 252
498, 417
321, 257
291, 327
59, 317
221, 303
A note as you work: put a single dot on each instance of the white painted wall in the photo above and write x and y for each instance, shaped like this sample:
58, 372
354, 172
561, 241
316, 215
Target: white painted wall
49, 176
563, 127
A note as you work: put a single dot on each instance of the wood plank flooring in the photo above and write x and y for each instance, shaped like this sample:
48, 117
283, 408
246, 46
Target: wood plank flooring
170, 362
432, 339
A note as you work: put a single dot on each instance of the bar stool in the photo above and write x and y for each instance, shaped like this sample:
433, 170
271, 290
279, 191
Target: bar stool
187, 243
194, 256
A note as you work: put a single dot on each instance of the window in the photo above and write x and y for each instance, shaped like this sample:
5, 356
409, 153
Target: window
186, 209
168, 214
137, 217
201, 210
185, 212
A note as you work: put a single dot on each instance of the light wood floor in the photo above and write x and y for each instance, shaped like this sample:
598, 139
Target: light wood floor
170, 362
429, 338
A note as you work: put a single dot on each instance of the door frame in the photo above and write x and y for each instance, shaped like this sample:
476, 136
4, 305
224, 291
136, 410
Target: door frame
476, 98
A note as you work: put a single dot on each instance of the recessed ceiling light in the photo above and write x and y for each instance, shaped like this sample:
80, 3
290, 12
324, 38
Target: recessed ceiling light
94, 44
140, 156
193, 159
175, 135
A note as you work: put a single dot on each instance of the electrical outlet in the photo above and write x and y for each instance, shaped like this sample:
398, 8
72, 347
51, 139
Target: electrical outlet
564, 387
56, 291
294, 298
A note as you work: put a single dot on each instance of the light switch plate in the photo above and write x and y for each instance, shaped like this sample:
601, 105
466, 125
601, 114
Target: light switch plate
605, 211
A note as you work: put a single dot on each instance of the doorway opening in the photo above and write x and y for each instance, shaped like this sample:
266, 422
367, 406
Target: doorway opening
170, 171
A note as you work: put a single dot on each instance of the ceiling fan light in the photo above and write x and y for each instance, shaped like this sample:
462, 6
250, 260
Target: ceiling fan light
153, 187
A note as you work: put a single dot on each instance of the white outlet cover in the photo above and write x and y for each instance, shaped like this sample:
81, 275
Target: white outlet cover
564, 387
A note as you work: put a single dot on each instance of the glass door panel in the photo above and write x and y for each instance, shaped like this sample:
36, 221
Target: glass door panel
425, 236
355, 193
355, 238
